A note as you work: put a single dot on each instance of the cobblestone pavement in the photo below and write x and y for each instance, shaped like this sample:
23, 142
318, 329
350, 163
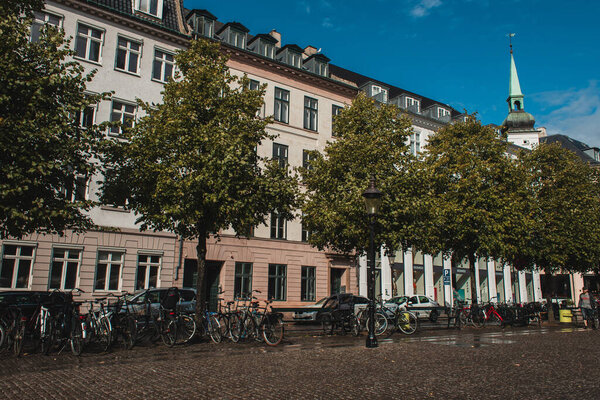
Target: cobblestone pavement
548, 363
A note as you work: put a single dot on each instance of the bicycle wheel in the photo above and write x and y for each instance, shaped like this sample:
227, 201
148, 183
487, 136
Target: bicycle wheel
495, 320
477, 317
104, 334
168, 332
18, 337
3, 335
251, 330
355, 329
272, 330
186, 328
224, 323
47, 340
407, 322
76, 337
381, 323
214, 329
235, 328
128, 331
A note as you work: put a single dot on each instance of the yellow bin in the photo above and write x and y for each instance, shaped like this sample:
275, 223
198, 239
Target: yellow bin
565, 315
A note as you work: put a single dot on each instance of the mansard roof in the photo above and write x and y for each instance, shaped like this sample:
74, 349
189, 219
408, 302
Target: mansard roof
574, 145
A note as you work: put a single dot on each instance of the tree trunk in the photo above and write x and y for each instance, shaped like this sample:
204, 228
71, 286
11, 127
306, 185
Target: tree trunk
201, 277
550, 291
472, 272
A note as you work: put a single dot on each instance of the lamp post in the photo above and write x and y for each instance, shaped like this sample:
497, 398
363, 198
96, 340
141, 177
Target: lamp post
372, 202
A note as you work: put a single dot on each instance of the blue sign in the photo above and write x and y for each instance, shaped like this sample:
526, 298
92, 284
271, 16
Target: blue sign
447, 277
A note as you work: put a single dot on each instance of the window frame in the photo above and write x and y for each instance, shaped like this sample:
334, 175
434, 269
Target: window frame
128, 53
311, 114
277, 282
107, 272
38, 23
159, 8
335, 111
411, 101
278, 226
307, 282
281, 105
18, 257
282, 159
64, 267
89, 38
163, 62
242, 277
124, 104
148, 264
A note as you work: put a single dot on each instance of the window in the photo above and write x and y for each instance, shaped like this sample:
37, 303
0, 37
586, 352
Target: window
321, 68
163, 67
278, 226
379, 93
128, 55
147, 271
282, 105
152, 7
254, 85
335, 111
16, 266
307, 284
306, 234
442, 112
85, 117
123, 113
205, 27
307, 157
415, 143
310, 113
108, 270
65, 265
280, 153
266, 49
88, 43
412, 104
40, 19
237, 39
77, 189
277, 282
294, 59
243, 279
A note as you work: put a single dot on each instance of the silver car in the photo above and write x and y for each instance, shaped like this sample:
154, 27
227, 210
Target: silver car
309, 312
423, 306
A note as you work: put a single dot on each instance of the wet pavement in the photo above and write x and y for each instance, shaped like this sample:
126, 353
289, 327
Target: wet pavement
548, 362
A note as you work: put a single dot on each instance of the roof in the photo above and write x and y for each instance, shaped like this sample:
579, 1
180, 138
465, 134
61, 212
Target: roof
234, 25
575, 146
293, 47
125, 7
202, 12
319, 56
264, 36
395, 91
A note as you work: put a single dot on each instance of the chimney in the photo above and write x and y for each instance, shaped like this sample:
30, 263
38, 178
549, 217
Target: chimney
310, 50
277, 36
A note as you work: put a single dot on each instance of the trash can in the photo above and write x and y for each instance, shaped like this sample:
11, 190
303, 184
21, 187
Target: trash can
565, 315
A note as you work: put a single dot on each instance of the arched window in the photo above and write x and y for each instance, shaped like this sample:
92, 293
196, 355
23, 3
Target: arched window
517, 105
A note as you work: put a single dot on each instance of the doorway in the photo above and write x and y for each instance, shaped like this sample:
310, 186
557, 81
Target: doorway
213, 272
335, 281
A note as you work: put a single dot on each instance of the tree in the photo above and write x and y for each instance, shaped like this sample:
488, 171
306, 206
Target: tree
190, 165
371, 141
476, 197
43, 147
565, 196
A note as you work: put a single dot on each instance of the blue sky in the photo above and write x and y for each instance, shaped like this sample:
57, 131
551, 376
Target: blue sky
454, 51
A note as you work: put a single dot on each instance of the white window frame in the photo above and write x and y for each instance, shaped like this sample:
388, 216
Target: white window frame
123, 112
18, 257
129, 51
410, 101
159, 7
277, 232
282, 105
375, 90
415, 143
148, 264
235, 36
109, 262
311, 114
442, 112
89, 39
65, 261
38, 22
163, 61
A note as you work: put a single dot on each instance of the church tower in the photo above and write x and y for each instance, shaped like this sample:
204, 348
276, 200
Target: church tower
519, 124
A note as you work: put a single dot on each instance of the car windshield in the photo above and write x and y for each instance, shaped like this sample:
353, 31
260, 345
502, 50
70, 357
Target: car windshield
399, 300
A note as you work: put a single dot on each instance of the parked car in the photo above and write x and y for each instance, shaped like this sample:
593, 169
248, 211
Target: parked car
420, 305
309, 312
187, 302
341, 302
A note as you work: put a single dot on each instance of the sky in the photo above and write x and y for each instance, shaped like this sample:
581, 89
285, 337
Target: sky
453, 51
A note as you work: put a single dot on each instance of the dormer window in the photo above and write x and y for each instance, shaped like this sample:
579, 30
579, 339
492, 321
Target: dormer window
263, 44
380, 94
442, 112
318, 64
266, 49
291, 55
234, 33
412, 104
151, 7
202, 22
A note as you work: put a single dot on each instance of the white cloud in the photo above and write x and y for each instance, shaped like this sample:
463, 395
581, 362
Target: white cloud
423, 7
327, 23
572, 112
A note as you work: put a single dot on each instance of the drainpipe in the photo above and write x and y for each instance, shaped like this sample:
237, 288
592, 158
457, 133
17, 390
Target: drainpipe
180, 259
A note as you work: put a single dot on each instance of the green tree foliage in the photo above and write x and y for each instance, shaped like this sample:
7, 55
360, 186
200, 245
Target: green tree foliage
371, 141
43, 148
476, 195
190, 165
566, 210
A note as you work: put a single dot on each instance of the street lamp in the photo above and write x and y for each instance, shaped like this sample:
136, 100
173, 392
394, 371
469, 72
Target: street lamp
372, 202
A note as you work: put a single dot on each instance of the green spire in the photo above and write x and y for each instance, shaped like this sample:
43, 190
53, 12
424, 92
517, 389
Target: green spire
515, 97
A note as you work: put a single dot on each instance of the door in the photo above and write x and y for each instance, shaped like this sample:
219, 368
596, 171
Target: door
213, 271
335, 280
